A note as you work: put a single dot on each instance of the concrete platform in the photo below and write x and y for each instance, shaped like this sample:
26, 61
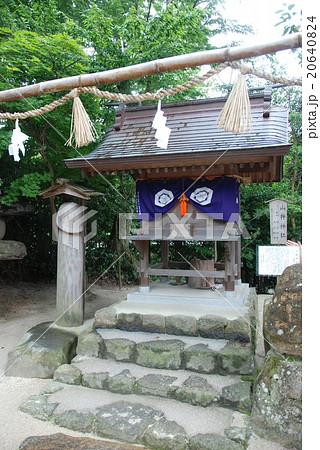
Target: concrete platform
173, 309
167, 293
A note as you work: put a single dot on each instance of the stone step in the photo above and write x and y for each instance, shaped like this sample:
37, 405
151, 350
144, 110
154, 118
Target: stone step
163, 351
214, 322
124, 378
157, 423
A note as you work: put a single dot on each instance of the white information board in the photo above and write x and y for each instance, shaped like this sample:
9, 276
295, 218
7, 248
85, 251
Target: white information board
272, 260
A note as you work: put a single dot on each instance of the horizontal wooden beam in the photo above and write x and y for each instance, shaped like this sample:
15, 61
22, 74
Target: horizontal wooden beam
188, 273
152, 67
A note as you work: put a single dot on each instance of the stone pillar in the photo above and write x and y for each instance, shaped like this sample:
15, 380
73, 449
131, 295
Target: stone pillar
238, 262
70, 266
2, 228
143, 247
165, 259
229, 266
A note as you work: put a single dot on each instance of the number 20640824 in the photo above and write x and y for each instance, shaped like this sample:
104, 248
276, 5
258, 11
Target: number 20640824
311, 46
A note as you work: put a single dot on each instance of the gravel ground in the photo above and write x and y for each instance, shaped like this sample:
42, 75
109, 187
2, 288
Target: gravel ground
22, 307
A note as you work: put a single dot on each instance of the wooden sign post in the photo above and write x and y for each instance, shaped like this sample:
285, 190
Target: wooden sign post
70, 267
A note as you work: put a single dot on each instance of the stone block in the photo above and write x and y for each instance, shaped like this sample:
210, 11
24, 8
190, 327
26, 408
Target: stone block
166, 435
122, 383
12, 250
155, 384
238, 330
68, 374
38, 407
181, 325
236, 358
211, 326
237, 396
105, 318
239, 434
165, 354
199, 358
96, 380
120, 350
129, 322
212, 442
74, 420
40, 352
51, 388
154, 323
90, 344
197, 391
283, 314
123, 421
277, 401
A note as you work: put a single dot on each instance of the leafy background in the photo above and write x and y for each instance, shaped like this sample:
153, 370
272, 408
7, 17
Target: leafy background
46, 39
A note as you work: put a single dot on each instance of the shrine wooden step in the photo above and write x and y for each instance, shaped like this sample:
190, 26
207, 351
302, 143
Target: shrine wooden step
230, 391
163, 351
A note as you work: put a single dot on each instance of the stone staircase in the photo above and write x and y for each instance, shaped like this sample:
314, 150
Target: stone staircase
161, 376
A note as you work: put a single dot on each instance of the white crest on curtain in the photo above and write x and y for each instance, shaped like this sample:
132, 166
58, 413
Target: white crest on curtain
163, 198
202, 195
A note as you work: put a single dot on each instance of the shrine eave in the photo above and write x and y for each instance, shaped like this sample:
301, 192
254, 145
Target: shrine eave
264, 164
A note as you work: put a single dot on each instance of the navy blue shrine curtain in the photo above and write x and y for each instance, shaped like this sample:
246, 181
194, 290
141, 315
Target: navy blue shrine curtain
219, 198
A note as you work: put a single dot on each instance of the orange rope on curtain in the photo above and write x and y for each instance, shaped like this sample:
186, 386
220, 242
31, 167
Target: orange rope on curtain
183, 204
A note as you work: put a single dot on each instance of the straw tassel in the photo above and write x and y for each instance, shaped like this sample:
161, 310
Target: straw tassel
235, 117
82, 129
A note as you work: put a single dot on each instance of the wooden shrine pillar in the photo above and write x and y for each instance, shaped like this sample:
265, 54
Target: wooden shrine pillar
143, 248
165, 259
229, 266
238, 261
70, 268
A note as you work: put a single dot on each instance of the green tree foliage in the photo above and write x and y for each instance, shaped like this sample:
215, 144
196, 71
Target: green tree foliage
255, 210
46, 39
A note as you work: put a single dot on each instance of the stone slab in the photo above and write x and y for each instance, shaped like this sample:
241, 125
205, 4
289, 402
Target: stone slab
162, 309
125, 421
126, 378
165, 351
10, 250
60, 441
167, 435
110, 369
140, 337
183, 295
214, 322
212, 442
40, 352
193, 419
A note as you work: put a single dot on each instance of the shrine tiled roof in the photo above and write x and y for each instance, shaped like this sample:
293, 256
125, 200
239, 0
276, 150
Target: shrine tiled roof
129, 143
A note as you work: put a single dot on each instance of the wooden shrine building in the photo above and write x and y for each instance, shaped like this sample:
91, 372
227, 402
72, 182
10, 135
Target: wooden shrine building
190, 190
